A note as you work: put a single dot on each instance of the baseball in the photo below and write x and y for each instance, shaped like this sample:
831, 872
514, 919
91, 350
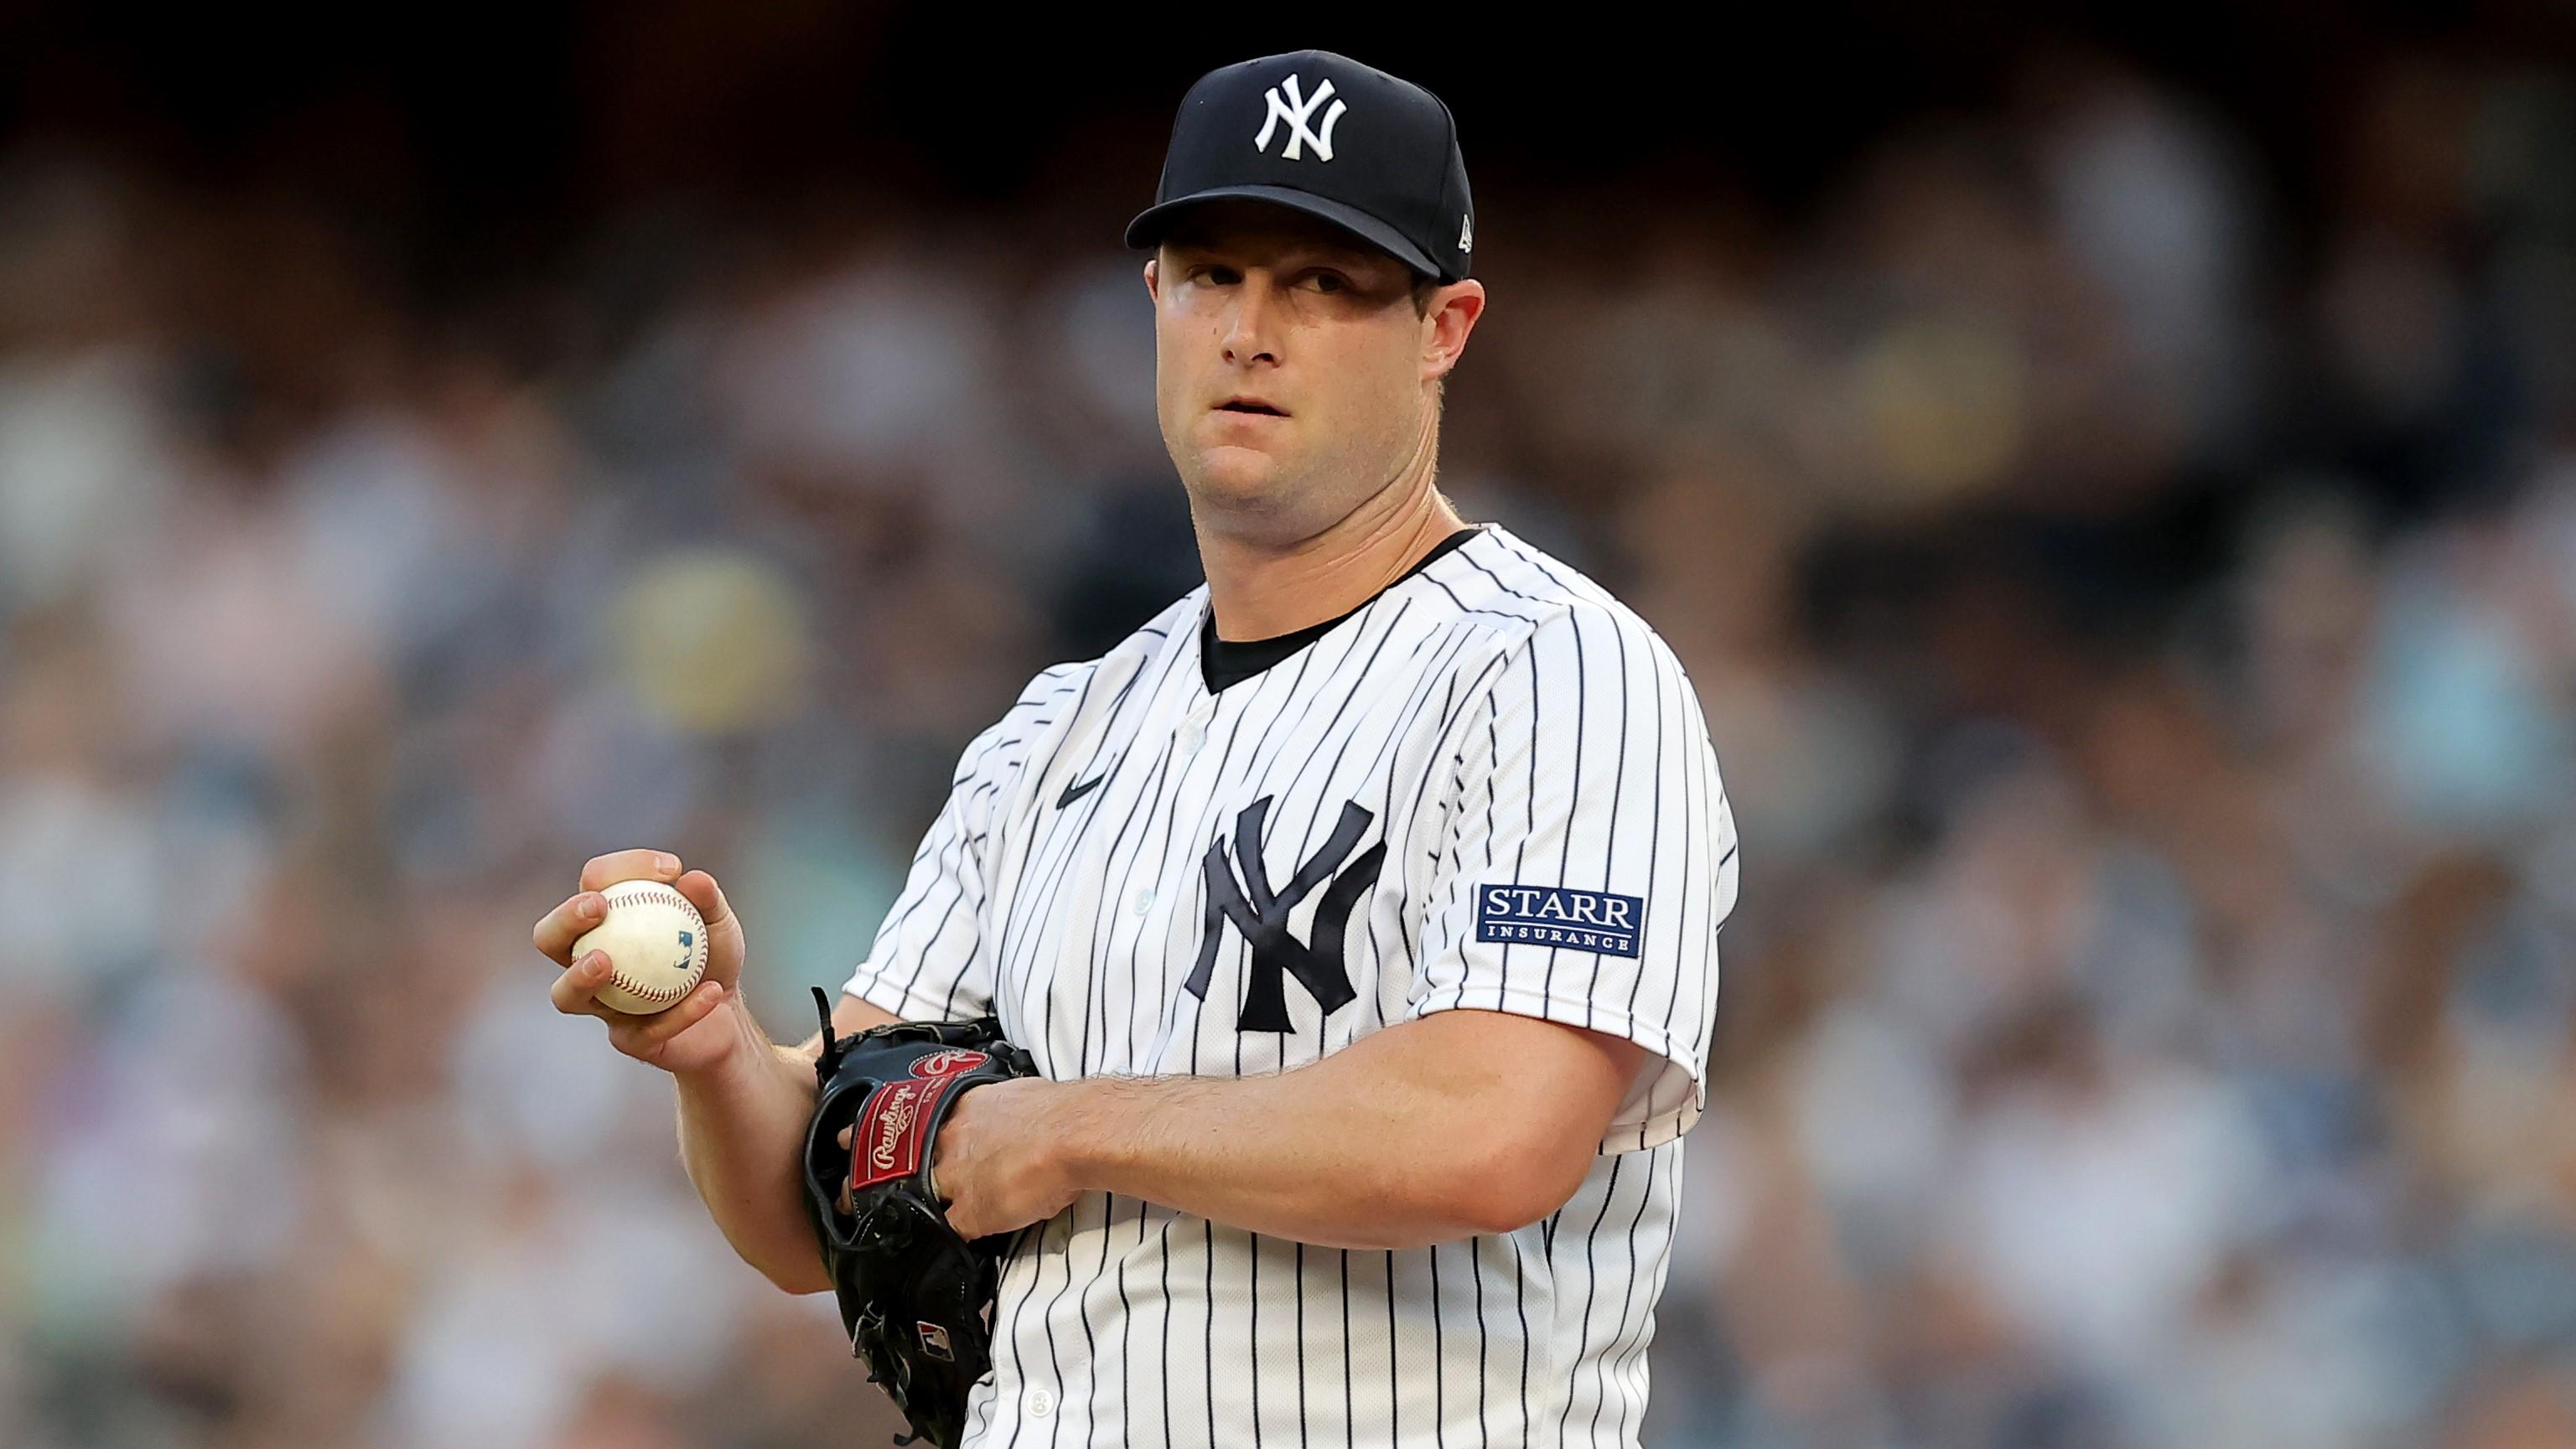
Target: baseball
656, 944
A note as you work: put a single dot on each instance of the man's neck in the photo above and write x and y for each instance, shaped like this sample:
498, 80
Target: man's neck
1261, 592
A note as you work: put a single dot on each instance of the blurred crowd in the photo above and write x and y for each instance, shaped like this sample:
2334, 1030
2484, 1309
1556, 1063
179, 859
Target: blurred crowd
2131, 582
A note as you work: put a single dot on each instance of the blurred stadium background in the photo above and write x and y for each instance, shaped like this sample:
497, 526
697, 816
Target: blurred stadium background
2112, 480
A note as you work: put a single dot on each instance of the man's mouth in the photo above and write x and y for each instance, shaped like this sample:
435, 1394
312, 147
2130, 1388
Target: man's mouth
1250, 405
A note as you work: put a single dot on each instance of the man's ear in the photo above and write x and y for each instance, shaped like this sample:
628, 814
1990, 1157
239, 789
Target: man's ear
1453, 315
1153, 279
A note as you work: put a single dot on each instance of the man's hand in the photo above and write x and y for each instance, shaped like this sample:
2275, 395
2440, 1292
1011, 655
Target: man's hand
998, 1167
694, 1035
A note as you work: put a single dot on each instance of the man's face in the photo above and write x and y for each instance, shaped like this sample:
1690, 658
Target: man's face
1293, 375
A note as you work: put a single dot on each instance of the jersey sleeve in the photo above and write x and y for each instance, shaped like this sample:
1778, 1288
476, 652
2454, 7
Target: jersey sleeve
1589, 858
932, 960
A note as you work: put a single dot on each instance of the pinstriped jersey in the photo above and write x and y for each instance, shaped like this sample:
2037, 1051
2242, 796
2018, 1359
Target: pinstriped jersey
1491, 787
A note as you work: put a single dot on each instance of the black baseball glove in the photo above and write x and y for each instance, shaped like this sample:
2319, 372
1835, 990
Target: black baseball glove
916, 1298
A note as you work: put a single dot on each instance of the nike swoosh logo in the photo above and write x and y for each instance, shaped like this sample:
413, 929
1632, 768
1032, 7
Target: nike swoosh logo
1076, 792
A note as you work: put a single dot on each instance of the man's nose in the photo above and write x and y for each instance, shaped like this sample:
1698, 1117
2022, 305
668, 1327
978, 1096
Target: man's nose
1247, 338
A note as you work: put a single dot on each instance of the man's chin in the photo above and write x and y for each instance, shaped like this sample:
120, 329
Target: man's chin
1236, 475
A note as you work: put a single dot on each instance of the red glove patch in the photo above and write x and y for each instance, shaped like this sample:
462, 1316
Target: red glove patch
893, 1126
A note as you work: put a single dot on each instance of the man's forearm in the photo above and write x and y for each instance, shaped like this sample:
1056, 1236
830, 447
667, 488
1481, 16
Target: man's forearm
1374, 1147
742, 1140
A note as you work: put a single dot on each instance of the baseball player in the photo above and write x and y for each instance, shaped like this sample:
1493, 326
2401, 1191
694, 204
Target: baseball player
1359, 911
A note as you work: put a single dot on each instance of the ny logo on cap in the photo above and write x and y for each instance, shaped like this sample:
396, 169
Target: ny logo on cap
1295, 109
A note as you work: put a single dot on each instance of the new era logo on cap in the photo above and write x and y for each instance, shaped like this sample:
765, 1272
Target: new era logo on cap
1371, 153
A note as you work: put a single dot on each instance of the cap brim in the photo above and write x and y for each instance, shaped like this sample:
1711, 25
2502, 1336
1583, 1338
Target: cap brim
1150, 224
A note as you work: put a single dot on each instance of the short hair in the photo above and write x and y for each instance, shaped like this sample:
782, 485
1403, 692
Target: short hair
1424, 284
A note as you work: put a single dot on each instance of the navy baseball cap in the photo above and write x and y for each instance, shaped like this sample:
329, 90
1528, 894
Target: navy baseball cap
1323, 134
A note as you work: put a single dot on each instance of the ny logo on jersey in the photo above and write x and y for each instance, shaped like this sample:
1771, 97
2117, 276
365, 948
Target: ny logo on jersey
1261, 914
1294, 110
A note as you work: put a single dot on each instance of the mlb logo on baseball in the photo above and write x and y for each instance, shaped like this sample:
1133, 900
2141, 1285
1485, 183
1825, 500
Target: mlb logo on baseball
1558, 916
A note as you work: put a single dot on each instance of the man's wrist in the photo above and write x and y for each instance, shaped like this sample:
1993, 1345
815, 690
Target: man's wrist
1085, 1144
750, 1055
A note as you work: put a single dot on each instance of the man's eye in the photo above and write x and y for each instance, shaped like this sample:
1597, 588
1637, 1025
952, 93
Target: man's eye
1221, 276
1328, 281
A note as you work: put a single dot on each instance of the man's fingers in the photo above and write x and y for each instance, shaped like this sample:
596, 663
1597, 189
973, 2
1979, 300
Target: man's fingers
706, 895
586, 908
567, 923
576, 993
576, 990
645, 1036
603, 871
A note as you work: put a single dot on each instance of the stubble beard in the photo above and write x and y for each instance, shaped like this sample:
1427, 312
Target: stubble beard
1266, 504
1295, 499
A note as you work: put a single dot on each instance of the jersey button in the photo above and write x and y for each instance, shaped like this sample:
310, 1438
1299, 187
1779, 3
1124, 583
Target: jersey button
1193, 735
1144, 900
1039, 1403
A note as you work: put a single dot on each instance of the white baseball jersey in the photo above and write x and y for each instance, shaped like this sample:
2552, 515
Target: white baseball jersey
1489, 787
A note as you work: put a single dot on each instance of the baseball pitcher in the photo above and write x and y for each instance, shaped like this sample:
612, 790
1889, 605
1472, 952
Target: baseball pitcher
1307, 998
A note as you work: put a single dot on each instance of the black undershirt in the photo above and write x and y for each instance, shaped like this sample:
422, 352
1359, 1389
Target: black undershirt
1231, 661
